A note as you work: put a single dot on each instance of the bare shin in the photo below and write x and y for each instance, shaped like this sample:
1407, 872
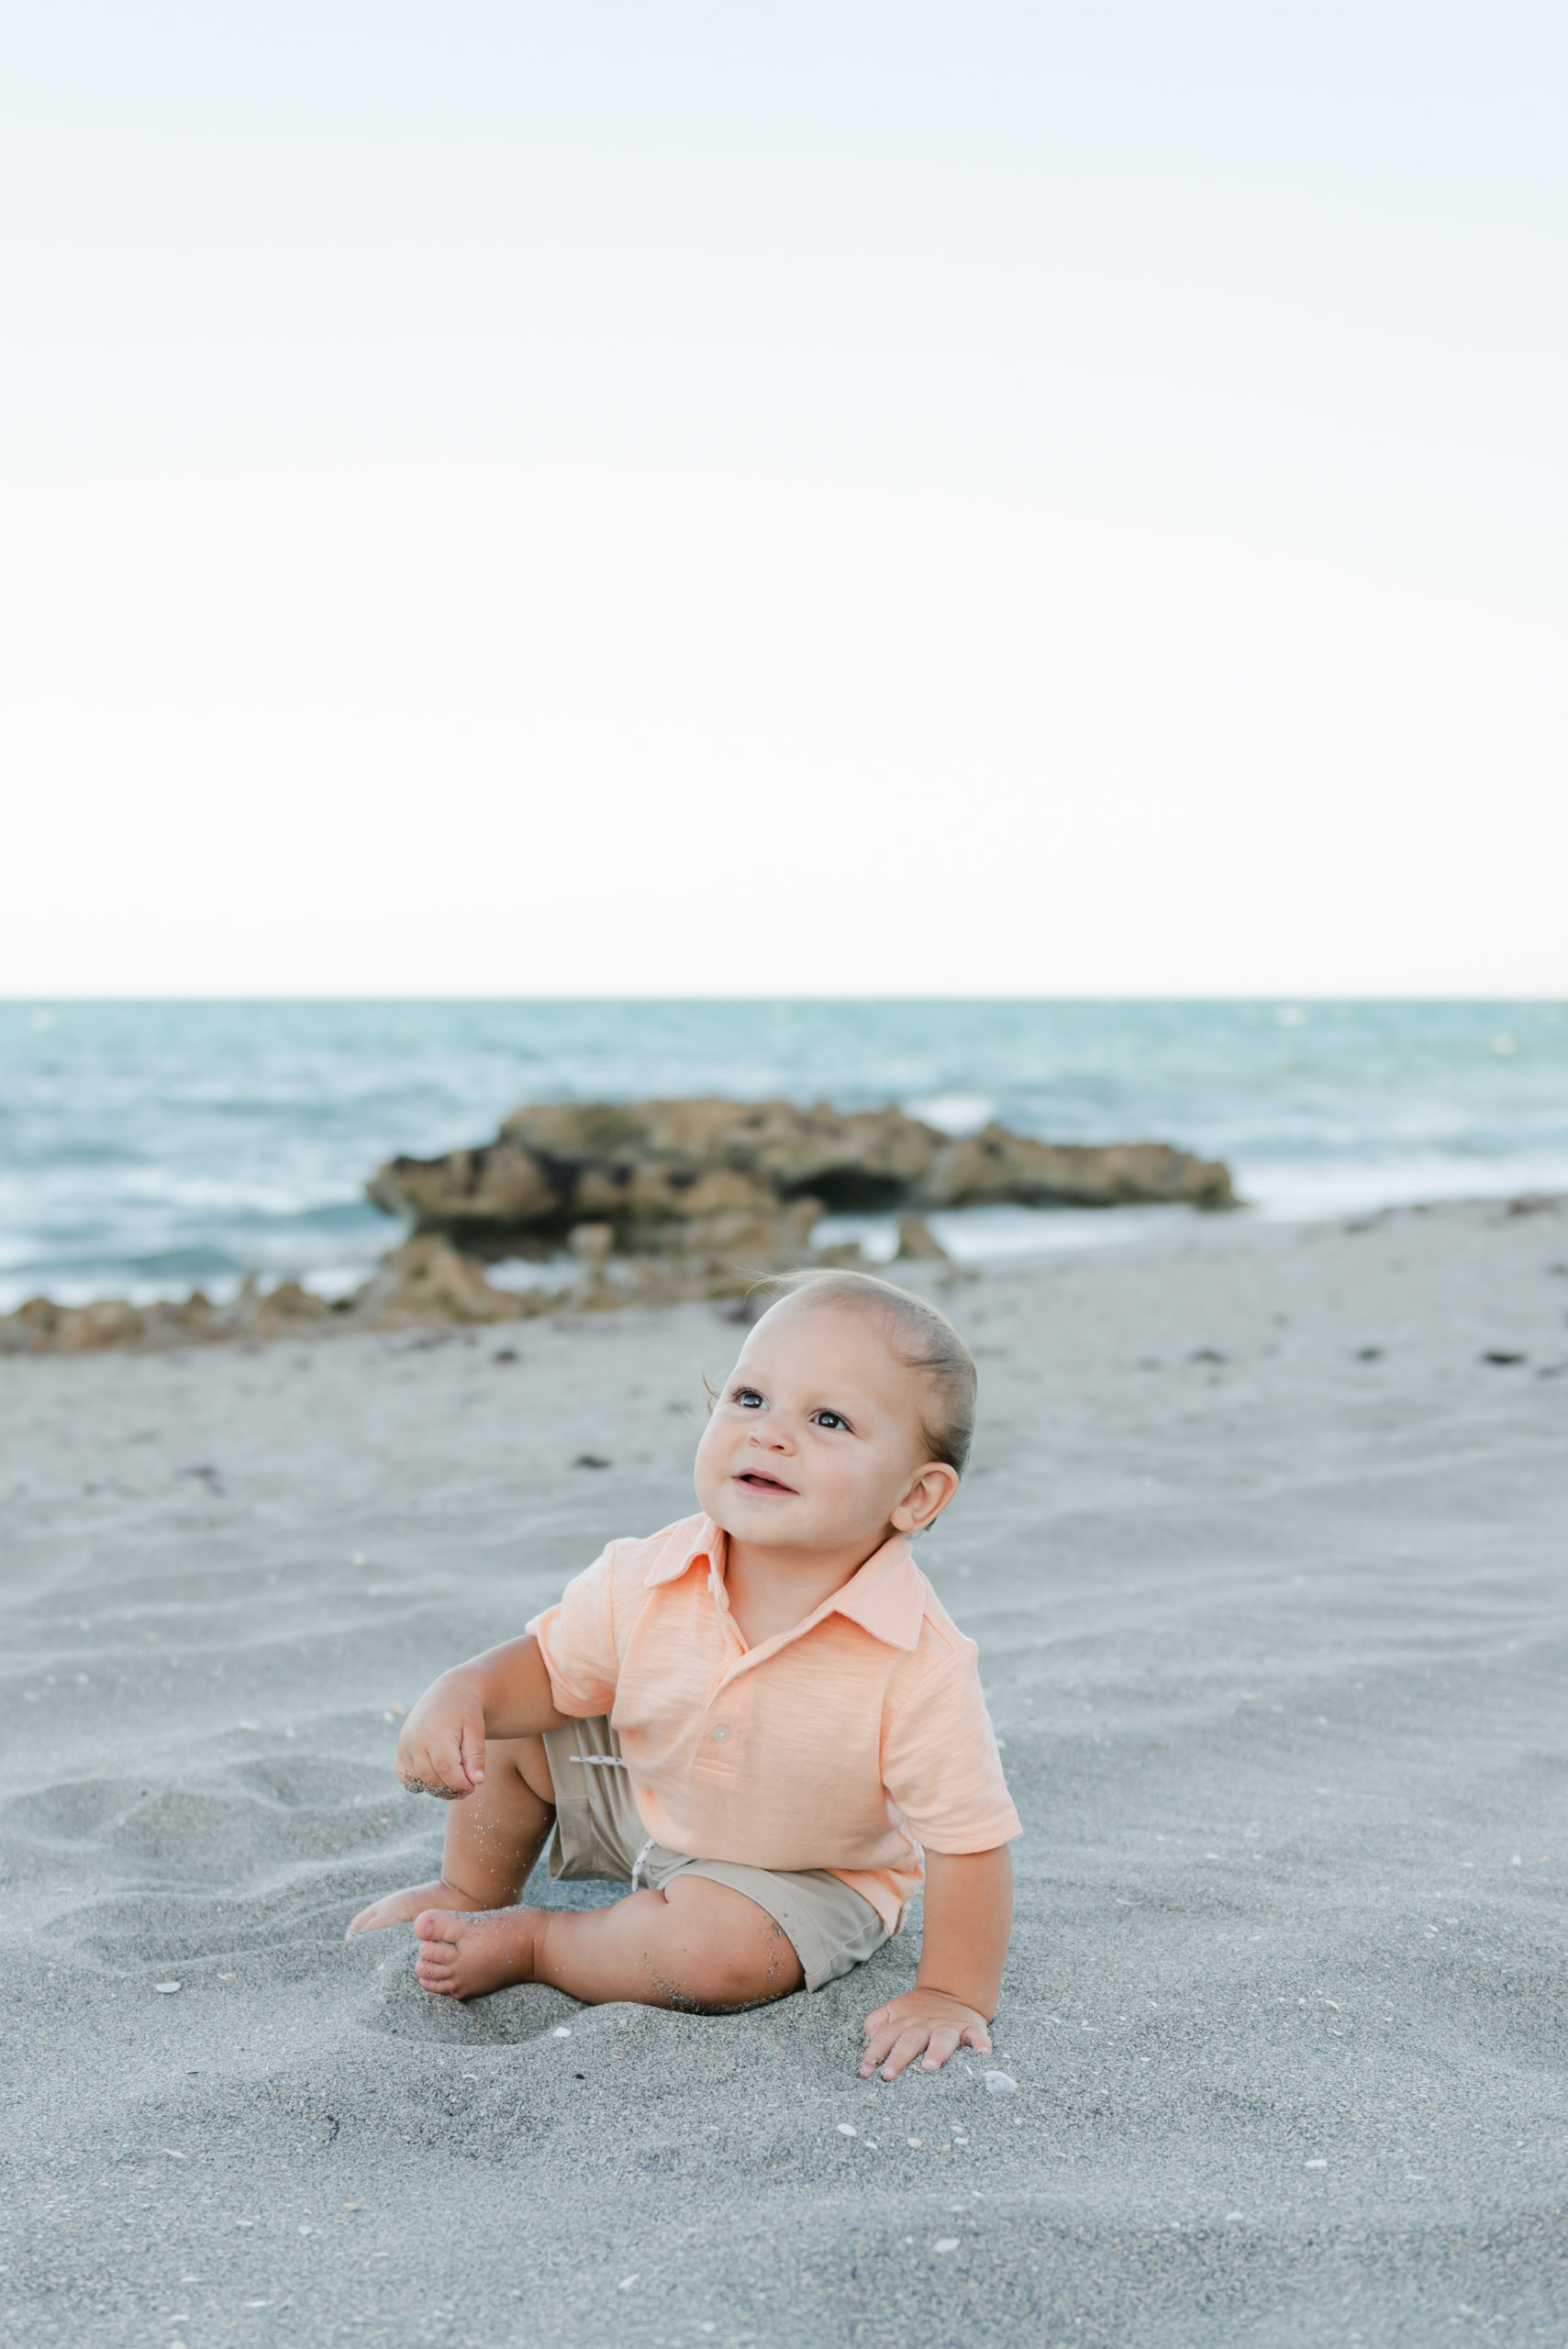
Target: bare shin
494, 1837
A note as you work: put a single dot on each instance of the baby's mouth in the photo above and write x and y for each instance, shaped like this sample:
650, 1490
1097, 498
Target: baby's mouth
760, 1483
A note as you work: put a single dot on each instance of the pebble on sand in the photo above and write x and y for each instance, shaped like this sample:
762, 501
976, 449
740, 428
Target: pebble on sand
168, 1989
945, 2242
1001, 2083
848, 2129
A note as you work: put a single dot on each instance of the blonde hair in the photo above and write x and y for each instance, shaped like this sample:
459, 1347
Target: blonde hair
924, 1339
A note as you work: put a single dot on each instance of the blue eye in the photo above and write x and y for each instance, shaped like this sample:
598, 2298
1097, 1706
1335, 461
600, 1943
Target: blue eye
748, 1398
831, 1418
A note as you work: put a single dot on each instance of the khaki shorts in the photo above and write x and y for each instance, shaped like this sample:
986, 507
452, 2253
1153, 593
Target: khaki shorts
599, 1835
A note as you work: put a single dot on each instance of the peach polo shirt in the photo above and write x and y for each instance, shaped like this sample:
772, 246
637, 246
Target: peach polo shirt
846, 1743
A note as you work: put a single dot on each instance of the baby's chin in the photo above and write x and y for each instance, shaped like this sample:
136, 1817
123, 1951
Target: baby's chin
762, 1517
784, 1521
756, 1506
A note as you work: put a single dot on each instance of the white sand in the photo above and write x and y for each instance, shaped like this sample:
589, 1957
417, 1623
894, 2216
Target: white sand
1276, 1647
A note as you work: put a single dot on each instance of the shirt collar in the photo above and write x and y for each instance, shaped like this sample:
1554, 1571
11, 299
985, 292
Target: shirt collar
679, 1556
886, 1597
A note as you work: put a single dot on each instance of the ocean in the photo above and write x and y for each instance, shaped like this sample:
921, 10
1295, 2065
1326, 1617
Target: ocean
146, 1148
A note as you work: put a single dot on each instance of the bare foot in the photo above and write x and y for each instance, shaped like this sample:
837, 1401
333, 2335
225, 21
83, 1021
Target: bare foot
463, 1956
401, 1907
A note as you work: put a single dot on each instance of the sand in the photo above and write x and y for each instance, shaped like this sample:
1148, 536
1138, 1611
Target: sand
1273, 1627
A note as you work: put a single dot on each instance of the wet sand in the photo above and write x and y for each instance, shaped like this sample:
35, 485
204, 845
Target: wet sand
1267, 1563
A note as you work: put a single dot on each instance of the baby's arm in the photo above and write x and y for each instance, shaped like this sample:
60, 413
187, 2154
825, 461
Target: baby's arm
506, 1692
969, 1915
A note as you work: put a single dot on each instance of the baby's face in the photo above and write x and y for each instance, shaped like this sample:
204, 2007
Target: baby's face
816, 1440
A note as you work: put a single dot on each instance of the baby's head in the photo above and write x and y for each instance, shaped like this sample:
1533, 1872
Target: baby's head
847, 1416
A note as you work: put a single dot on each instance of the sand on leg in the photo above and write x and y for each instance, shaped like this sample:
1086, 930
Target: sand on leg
493, 1838
695, 1945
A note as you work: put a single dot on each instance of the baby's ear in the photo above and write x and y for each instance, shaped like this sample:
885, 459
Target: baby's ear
933, 1487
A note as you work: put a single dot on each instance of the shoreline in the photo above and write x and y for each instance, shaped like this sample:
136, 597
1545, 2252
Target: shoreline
183, 1145
466, 1293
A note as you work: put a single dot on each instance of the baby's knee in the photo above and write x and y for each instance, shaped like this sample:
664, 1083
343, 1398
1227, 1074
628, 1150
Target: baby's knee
738, 1956
748, 1978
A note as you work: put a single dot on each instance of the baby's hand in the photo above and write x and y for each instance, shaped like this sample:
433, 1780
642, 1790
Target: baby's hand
441, 1750
921, 2019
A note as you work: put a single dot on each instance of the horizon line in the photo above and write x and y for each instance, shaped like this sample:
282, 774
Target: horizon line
1281, 996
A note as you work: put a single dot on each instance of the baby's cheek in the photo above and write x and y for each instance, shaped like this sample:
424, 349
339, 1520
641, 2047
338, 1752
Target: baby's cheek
852, 1503
707, 1467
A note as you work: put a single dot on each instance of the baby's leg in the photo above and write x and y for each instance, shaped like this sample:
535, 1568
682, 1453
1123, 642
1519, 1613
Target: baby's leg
697, 1946
494, 1837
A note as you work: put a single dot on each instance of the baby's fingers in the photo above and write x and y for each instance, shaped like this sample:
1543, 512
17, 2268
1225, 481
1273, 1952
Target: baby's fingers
878, 2041
944, 2040
906, 2046
436, 1767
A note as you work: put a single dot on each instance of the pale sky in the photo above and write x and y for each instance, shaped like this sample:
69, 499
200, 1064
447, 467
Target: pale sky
756, 499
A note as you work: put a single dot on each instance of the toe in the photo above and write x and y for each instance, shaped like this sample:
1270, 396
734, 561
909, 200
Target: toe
434, 1924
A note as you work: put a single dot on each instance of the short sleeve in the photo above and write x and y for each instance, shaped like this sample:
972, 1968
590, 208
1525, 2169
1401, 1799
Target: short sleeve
941, 1765
577, 1641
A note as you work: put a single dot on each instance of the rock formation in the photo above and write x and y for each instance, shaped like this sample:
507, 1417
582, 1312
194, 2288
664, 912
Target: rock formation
656, 1200
667, 1199
669, 1174
40, 1326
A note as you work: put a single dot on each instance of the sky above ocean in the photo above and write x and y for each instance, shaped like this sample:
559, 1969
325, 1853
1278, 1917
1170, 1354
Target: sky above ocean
148, 1147
850, 498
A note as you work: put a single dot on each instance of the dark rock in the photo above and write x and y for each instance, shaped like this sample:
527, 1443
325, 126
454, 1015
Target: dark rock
695, 1174
995, 1168
869, 1158
503, 1187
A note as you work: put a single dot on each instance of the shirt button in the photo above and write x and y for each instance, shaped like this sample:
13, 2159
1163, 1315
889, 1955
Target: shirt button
719, 1735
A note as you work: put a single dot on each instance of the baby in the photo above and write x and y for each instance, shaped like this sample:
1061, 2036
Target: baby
761, 1718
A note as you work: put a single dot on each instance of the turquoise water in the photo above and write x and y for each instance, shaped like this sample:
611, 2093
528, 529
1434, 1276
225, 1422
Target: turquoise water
144, 1147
